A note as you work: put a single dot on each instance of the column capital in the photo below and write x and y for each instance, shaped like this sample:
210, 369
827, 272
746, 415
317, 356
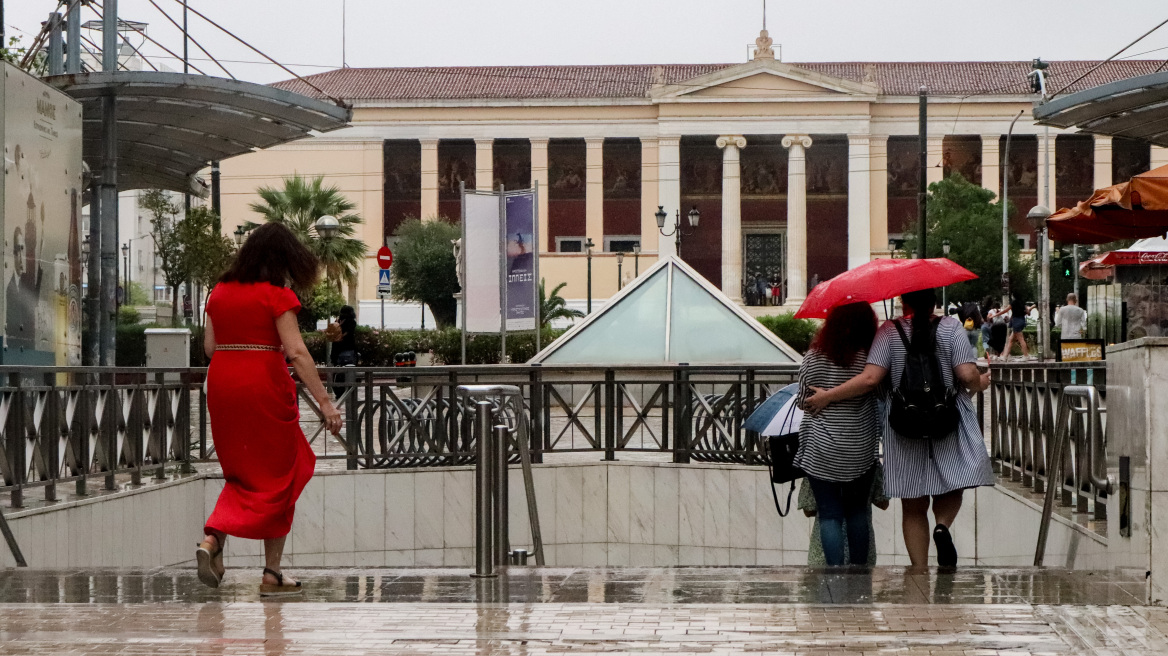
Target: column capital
646, 141
593, 142
1101, 141
797, 139
860, 139
539, 141
488, 141
669, 142
429, 143
990, 138
737, 141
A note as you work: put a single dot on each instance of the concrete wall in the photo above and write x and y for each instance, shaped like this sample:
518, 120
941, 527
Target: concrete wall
591, 514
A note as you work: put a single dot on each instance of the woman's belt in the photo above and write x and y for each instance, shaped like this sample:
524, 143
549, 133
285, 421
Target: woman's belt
246, 347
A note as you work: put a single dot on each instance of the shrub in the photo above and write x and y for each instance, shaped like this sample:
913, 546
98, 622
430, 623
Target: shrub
376, 348
128, 314
797, 333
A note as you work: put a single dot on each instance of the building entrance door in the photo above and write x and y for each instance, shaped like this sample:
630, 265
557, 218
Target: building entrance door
763, 262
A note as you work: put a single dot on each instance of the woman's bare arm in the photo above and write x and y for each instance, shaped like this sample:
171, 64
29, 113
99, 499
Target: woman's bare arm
974, 380
209, 342
861, 383
297, 353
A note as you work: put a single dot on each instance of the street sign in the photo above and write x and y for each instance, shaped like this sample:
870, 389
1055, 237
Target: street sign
384, 283
384, 257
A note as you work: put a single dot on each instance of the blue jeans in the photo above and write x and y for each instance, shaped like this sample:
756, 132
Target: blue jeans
844, 504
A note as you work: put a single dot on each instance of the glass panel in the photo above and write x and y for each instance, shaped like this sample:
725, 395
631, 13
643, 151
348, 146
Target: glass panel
703, 330
630, 332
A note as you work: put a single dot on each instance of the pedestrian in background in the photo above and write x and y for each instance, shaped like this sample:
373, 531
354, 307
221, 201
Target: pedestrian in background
1071, 319
255, 419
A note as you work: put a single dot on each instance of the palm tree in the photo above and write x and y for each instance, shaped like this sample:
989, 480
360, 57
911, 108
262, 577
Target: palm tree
554, 306
298, 205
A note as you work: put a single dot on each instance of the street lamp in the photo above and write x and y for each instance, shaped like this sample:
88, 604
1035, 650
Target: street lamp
239, 233
1037, 217
694, 217
126, 278
892, 249
636, 260
620, 260
327, 226
588, 252
945, 289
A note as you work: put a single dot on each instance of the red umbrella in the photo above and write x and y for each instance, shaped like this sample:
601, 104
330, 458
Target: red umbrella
879, 280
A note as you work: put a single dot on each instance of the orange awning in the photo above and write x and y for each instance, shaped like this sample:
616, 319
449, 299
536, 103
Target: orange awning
1134, 209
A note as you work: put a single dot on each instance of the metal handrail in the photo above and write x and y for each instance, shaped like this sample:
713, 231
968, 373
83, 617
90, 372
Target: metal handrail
1068, 417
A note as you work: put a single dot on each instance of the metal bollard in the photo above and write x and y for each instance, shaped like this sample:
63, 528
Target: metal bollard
519, 557
484, 563
499, 542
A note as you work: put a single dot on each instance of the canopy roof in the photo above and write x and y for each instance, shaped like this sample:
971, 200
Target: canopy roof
671, 314
171, 125
1133, 209
1135, 108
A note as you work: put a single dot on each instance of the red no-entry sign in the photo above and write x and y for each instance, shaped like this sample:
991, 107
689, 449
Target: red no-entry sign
384, 257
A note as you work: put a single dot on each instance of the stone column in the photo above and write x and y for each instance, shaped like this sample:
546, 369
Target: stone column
796, 144
878, 192
539, 179
649, 183
668, 187
484, 164
732, 216
594, 191
991, 163
859, 200
934, 154
1102, 162
1158, 158
429, 169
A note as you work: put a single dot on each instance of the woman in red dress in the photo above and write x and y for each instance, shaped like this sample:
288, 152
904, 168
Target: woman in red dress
255, 421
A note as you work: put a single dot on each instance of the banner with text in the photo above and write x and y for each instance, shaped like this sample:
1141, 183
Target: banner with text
521, 262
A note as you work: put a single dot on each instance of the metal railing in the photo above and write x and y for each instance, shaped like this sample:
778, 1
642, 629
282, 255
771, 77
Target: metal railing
1032, 415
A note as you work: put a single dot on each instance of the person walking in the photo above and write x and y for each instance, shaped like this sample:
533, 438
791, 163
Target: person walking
837, 447
255, 421
1018, 313
969, 314
921, 472
1071, 319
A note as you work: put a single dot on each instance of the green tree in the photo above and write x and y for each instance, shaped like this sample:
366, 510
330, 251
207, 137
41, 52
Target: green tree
298, 205
424, 267
15, 53
167, 247
554, 306
324, 302
206, 252
968, 217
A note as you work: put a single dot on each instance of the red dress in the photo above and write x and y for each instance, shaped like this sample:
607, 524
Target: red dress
255, 420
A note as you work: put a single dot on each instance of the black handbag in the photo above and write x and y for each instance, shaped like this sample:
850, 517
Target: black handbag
782, 450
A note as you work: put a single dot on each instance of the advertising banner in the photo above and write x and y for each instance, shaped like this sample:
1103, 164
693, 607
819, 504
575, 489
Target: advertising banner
480, 253
42, 223
521, 262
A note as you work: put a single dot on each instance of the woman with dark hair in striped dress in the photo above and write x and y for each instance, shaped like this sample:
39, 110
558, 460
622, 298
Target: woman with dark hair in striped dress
837, 447
925, 472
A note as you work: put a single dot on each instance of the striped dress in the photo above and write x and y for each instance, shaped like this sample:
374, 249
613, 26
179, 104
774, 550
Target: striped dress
959, 461
839, 444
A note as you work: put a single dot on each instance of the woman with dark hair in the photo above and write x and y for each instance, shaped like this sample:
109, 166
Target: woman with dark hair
345, 349
837, 447
923, 472
255, 420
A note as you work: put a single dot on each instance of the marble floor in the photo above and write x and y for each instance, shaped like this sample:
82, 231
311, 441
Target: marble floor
584, 611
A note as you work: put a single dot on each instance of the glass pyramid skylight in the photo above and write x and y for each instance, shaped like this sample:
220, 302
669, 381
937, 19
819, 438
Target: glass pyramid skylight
668, 315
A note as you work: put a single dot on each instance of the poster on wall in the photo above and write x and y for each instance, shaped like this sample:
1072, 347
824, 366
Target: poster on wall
42, 215
480, 253
520, 240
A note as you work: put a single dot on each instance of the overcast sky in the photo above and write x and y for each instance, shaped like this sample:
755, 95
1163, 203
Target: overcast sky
306, 34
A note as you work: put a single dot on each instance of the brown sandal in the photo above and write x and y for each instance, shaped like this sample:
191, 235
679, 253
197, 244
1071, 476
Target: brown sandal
206, 560
280, 589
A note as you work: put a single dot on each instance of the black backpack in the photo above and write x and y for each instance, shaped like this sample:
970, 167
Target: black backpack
921, 406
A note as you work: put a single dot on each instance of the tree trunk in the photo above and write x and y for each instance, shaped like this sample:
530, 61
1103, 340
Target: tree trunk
445, 312
174, 306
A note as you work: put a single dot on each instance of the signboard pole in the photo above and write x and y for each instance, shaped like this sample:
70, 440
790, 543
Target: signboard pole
502, 246
535, 248
461, 264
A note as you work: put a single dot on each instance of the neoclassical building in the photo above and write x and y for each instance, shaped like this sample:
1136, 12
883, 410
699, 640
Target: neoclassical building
798, 170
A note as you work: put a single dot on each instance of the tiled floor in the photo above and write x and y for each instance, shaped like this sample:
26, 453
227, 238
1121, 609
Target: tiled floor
533, 611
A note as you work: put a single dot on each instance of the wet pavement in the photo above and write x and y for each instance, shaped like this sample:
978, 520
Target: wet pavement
543, 611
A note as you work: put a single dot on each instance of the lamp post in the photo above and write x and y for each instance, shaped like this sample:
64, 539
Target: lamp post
694, 217
239, 233
945, 289
636, 260
326, 226
588, 253
126, 277
620, 260
1037, 217
892, 249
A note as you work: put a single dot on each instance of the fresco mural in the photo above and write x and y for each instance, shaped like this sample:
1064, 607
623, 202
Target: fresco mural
622, 169
962, 154
1129, 157
512, 163
566, 169
42, 215
456, 164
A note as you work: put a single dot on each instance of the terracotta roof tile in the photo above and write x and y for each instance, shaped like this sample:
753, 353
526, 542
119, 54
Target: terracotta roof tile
635, 81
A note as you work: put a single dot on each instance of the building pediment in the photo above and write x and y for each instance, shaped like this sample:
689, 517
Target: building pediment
763, 79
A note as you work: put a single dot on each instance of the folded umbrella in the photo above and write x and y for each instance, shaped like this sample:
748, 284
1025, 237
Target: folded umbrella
778, 415
880, 280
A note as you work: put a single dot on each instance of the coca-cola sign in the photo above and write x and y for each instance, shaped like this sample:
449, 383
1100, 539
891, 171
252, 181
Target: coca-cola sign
1137, 257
